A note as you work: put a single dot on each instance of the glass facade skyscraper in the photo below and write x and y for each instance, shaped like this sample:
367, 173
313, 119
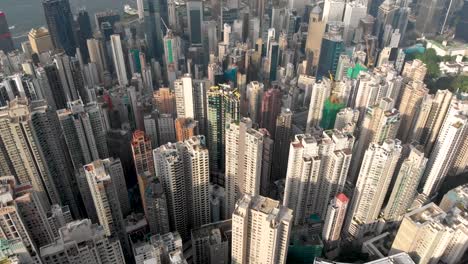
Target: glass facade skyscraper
6, 43
59, 20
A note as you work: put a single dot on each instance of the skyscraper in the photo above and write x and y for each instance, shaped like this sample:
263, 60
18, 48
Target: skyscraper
266, 180
430, 16
314, 37
24, 157
84, 131
408, 174
223, 107
378, 166
260, 230
84, 33
185, 128
183, 88
422, 234
271, 108
154, 11
334, 221
380, 123
159, 248
330, 50
87, 241
451, 136
166, 129
52, 143
144, 163
283, 135
317, 169
118, 58
462, 25
211, 243
430, 117
200, 107
59, 20
454, 197
183, 169
346, 118
254, 97
354, 12
414, 70
195, 18
13, 226
333, 10
273, 59
109, 194
96, 56
104, 177
6, 42
30, 209
320, 92
244, 150
40, 40
172, 50
157, 213
164, 100
386, 16
411, 99
68, 79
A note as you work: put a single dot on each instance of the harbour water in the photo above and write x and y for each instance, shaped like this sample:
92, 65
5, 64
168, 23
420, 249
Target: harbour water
22, 15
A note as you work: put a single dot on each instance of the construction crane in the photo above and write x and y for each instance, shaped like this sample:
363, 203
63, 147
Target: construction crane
164, 23
331, 76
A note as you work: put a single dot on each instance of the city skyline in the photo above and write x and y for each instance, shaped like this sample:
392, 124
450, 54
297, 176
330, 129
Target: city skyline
234, 131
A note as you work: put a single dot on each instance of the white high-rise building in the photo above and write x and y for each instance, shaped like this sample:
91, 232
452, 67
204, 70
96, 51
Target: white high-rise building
83, 242
63, 64
22, 151
320, 92
317, 169
430, 117
183, 169
451, 136
381, 122
197, 159
244, 150
260, 231
374, 179
406, 183
109, 193
414, 70
336, 213
96, 56
157, 249
437, 115
333, 10
354, 12
184, 97
346, 119
411, 99
118, 58
423, 235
